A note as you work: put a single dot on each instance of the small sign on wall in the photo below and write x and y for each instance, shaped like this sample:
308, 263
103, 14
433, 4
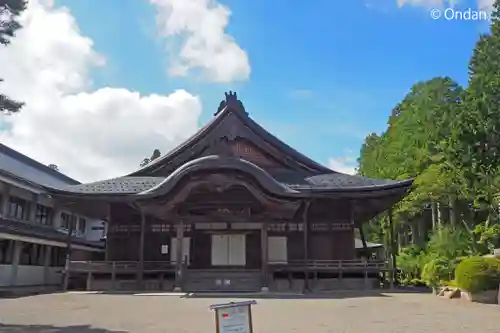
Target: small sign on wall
164, 249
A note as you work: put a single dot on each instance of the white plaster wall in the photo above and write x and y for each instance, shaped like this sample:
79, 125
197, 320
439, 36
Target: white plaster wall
95, 235
30, 275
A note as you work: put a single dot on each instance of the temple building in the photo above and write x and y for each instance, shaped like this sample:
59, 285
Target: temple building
233, 208
34, 226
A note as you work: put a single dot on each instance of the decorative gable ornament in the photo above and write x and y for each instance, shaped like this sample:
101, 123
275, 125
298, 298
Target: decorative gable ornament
231, 102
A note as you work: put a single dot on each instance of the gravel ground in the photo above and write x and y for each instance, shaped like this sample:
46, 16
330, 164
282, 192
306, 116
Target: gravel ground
344, 312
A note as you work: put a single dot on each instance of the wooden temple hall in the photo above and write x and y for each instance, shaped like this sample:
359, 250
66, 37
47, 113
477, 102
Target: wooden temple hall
232, 209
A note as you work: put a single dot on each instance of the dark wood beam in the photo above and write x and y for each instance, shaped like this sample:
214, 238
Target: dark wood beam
140, 277
305, 219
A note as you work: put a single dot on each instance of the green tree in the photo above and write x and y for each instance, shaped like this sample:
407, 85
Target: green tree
9, 24
156, 153
473, 144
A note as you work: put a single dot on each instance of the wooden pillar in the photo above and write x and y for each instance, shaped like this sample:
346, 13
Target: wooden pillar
140, 271
16, 258
113, 276
107, 256
393, 249
89, 280
305, 221
4, 199
360, 228
68, 254
33, 206
264, 243
46, 264
179, 255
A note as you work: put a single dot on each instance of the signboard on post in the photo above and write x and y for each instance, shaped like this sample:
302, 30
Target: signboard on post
234, 317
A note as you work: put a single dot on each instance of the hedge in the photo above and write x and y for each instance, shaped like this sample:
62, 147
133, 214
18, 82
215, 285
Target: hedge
478, 274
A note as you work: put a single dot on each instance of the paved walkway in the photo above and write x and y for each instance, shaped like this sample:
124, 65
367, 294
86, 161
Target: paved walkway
385, 313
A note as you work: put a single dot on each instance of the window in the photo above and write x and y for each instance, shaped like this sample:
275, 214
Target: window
32, 254
65, 221
18, 208
82, 225
6, 249
57, 256
43, 214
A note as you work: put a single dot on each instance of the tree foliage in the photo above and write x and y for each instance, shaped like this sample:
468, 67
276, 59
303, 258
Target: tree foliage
9, 24
447, 138
156, 153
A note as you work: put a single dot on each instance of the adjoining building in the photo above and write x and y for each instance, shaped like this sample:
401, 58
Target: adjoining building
233, 208
34, 225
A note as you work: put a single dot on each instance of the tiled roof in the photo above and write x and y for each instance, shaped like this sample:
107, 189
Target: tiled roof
136, 185
121, 185
336, 180
24, 167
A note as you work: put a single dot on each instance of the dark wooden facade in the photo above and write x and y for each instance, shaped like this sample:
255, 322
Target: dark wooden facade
231, 208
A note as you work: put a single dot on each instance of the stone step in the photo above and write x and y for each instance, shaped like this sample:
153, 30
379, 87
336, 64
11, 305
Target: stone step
199, 280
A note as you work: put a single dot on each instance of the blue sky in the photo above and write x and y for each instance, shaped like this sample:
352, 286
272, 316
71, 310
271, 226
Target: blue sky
323, 73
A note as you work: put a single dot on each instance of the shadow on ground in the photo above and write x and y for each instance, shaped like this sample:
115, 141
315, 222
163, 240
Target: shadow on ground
53, 329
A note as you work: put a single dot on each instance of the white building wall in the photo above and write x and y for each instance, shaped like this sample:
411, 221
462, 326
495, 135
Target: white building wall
30, 275
96, 230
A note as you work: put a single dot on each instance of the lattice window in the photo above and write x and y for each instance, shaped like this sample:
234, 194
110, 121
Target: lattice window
160, 227
119, 228
320, 227
279, 227
295, 227
341, 226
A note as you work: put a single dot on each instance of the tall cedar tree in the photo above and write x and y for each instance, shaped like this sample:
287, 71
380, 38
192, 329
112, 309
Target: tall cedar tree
9, 14
474, 143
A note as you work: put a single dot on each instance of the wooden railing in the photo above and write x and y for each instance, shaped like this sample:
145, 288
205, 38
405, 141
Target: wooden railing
165, 266
120, 266
332, 265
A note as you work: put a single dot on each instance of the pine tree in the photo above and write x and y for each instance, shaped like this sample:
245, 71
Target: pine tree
9, 15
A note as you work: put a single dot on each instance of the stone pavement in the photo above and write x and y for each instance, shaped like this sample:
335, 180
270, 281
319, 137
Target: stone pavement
340, 313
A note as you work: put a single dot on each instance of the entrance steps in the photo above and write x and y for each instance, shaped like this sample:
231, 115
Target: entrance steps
200, 280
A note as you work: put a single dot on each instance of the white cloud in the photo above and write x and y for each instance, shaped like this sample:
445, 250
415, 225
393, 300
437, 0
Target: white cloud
205, 46
345, 165
89, 135
301, 93
486, 5
424, 3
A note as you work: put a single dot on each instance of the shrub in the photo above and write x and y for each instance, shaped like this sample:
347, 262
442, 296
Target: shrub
436, 271
478, 274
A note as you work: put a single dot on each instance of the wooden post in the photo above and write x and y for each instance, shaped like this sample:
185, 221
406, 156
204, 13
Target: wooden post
140, 275
393, 249
108, 222
366, 274
113, 275
89, 280
68, 252
264, 256
179, 255
306, 244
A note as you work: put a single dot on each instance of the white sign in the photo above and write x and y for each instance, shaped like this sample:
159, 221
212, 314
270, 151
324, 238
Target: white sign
164, 249
234, 319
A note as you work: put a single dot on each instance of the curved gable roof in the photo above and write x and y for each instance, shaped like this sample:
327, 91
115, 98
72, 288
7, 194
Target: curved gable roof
210, 129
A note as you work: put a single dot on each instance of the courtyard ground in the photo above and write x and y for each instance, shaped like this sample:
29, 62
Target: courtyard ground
341, 313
